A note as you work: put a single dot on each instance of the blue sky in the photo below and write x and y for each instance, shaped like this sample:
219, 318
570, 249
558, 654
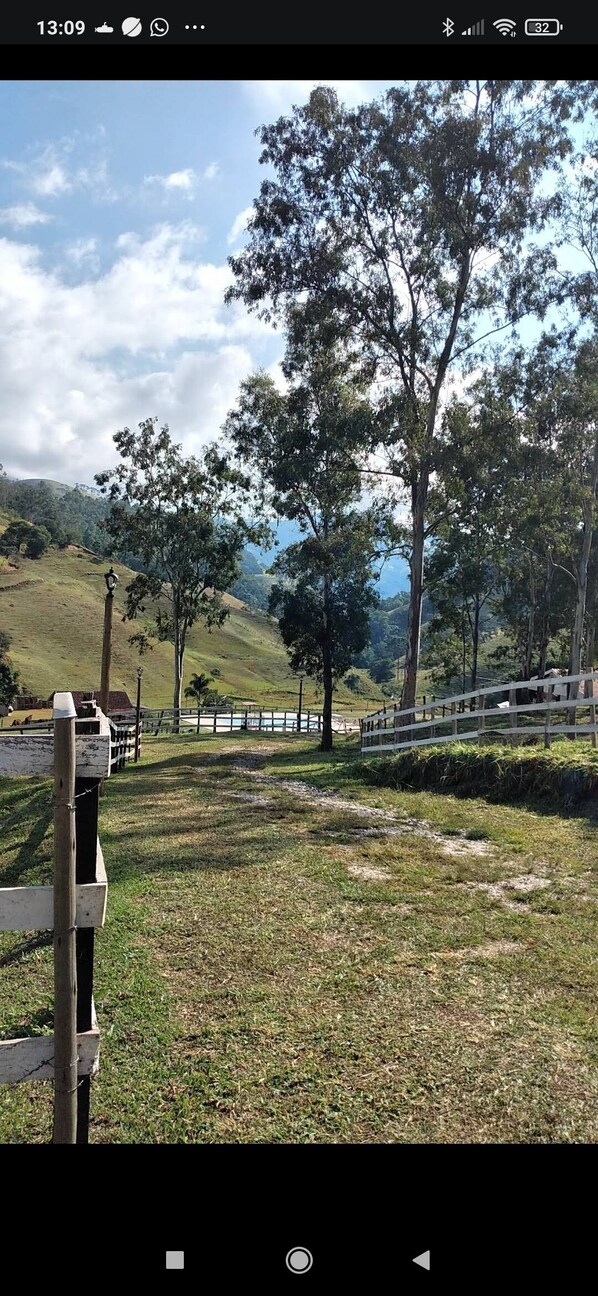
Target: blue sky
119, 204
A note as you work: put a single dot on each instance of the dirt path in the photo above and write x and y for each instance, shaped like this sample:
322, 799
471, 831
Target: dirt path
252, 760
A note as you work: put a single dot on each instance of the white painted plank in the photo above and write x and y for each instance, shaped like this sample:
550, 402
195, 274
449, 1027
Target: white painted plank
34, 754
497, 712
31, 908
544, 682
475, 733
33, 1058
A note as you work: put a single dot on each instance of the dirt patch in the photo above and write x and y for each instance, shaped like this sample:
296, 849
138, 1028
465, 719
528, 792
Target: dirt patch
466, 846
494, 949
370, 874
523, 885
252, 799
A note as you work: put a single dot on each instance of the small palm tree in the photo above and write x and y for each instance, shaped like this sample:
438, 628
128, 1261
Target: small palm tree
197, 688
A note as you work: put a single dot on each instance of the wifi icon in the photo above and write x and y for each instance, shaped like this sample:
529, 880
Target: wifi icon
505, 26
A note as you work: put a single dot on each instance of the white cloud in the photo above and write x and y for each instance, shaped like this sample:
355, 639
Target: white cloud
54, 170
181, 181
239, 225
22, 215
149, 336
211, 171
83, 252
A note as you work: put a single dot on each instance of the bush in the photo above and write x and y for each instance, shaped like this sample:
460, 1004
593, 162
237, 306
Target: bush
564, 774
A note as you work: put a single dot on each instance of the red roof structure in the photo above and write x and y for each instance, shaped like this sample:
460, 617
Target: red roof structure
118, 700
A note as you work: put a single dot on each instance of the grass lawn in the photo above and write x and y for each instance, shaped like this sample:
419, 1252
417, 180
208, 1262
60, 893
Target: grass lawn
282, 966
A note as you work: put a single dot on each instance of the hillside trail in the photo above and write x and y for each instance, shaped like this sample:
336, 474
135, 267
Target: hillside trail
380, 823
385, 823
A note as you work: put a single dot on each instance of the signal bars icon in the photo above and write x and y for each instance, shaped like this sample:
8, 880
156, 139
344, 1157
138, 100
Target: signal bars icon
476, 30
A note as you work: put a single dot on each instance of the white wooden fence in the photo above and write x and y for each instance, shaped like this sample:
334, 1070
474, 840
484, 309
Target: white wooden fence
221, 720
31, 908
468, 717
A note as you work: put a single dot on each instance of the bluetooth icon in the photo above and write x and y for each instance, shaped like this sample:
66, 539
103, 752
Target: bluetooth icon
448, 26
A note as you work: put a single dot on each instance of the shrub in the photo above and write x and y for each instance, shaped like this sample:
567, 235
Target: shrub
564, 774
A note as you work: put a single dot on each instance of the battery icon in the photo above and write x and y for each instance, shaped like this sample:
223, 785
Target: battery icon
543, 26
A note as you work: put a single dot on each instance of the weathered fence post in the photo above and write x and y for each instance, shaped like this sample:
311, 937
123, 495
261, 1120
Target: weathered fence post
432, 719
232, 712
482, 718
513, 718
259, 727
547, 716
215, 719
87, 806
455, 722
138, 714
589, 692
65, 911
308, 715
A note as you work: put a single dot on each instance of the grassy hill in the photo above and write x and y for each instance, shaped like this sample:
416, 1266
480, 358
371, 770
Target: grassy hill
53, 609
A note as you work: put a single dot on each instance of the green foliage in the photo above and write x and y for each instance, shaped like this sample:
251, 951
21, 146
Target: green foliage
9, 677
182, 518
403, 226
198, 687
303, 448
24, 537
324, 607
564, 775
383, 670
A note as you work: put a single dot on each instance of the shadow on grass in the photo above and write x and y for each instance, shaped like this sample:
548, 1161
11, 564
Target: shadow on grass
25, 803
39, 1023
26, 947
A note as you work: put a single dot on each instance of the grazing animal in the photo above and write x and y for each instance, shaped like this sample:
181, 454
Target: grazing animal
28, 719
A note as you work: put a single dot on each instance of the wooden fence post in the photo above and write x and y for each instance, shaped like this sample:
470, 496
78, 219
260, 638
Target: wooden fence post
232, 712
87, 805
547, 715
513, 718
589, 692
308, 715
215, 718
482, 718
455, 722
65, 911
432, 719
198, 719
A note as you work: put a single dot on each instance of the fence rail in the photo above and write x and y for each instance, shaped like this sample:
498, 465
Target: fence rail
221, 720
572, 697
79, 753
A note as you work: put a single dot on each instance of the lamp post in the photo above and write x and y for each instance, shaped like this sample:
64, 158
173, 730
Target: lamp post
300, 702
111, 580
138, 713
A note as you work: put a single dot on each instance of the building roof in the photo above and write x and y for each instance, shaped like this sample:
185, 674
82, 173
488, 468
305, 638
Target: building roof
118, 700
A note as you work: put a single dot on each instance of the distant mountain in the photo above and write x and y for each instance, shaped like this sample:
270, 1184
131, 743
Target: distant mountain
393, 579
57, 488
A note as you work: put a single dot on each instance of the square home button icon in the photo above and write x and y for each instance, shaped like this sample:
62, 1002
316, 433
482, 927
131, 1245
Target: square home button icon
175, 1259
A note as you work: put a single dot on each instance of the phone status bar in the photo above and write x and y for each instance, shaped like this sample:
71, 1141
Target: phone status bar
288, 28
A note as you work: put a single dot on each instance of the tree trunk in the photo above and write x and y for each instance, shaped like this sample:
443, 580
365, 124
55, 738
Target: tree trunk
582, 575
545, 631
531, 626
416, 566
582, 584
179, 654
326, 743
